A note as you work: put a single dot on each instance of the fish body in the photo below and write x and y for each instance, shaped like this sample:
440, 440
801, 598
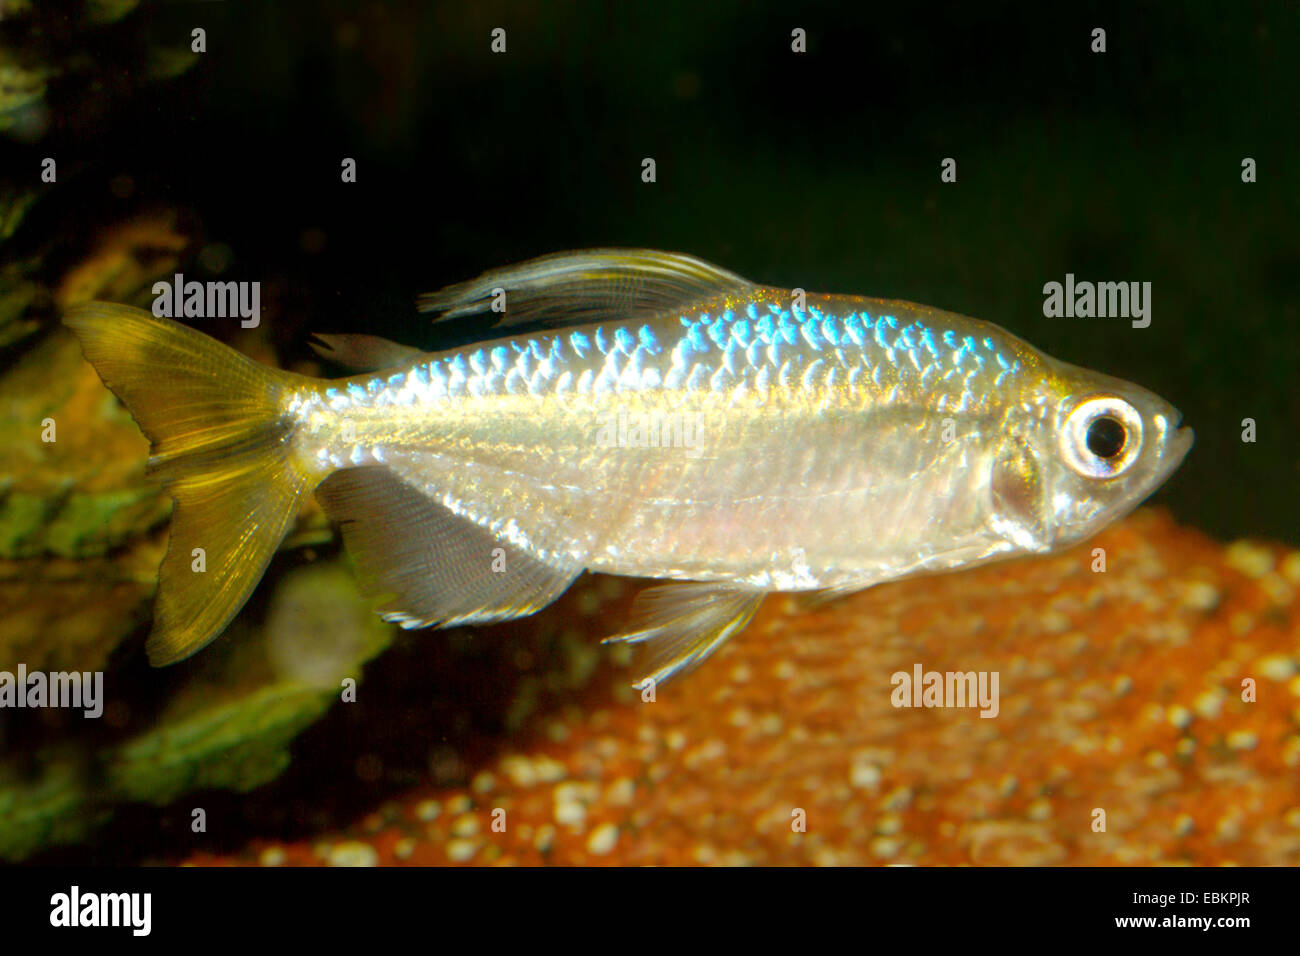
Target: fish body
658, 417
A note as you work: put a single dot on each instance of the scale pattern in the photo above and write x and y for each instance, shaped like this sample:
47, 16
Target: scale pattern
754, 348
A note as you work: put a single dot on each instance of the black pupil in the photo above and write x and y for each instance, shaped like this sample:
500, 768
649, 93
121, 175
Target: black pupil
1106, 437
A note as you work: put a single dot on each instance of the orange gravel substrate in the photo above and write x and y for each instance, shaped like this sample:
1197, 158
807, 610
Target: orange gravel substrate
1120, 692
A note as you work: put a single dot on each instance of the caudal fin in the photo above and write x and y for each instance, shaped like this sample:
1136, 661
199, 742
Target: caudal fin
219, 430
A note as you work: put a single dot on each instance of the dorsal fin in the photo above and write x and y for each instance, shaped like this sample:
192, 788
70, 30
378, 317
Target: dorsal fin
366, 353
589, 285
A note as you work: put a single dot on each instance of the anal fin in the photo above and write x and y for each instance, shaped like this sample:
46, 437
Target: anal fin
428, 566
682, 624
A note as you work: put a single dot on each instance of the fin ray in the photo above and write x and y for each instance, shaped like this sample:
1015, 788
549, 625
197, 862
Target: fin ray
219, 444
428, 566
681, 624
592, 285
366, 353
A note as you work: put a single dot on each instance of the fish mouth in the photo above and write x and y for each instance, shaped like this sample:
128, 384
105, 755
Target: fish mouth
1177, 445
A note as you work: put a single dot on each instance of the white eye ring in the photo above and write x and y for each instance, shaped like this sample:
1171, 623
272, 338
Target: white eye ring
1087, 457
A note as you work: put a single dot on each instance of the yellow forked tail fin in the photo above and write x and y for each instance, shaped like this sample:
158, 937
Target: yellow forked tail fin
220, 434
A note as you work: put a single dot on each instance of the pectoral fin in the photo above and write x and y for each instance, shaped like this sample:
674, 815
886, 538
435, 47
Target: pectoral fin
682, 624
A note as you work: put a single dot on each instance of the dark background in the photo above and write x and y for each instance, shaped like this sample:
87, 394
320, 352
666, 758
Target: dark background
818, 170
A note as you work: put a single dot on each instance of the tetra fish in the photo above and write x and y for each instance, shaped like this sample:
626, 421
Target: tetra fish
637, 413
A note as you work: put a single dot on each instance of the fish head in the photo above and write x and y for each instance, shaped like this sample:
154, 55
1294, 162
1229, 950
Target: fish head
1103, 446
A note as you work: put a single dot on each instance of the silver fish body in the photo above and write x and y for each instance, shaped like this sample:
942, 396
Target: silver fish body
837, 445
658, 417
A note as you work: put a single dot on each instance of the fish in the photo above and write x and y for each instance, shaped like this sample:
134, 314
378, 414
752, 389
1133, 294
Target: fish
631, 412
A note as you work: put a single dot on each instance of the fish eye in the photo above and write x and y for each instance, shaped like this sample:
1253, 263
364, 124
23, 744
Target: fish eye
1102, 437
1106, 437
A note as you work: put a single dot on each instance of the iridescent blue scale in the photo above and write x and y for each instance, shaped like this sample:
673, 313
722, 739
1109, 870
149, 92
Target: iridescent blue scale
823, 347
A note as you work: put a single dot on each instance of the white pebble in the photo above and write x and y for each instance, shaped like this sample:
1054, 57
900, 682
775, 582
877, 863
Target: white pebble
461, 851
1277, 667
602, 839
353, 854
